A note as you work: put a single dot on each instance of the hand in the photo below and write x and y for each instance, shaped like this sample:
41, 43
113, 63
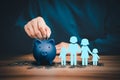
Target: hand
60, 45
37, 28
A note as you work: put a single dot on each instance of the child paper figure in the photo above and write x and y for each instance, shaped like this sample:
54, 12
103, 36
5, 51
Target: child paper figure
95, 56
84, 51
73, 49
63, 56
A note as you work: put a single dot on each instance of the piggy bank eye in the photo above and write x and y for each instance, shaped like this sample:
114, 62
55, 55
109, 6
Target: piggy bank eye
48, 46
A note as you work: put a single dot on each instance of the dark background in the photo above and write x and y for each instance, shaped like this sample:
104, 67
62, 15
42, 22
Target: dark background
14, 40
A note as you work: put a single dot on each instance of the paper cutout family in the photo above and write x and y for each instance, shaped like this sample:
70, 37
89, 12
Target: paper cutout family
44, 52
74, 48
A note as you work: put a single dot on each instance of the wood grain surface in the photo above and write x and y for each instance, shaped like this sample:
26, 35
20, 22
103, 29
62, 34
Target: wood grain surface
25, 68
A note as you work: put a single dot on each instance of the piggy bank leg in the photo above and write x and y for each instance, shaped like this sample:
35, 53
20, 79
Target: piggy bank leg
50, 62
38, 62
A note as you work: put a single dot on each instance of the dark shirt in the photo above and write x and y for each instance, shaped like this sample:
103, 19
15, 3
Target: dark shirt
92, 19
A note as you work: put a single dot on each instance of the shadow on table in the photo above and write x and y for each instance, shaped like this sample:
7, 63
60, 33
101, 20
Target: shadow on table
33, 64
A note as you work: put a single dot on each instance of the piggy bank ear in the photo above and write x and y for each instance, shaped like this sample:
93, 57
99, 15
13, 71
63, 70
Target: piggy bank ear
37, 41
51, 41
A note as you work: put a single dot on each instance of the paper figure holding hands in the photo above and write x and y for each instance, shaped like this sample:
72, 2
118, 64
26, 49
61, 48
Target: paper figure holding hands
73, 49
63, 56
85, 51
95, 56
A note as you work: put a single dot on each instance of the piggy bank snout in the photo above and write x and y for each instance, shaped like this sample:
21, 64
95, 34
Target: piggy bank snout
44, 53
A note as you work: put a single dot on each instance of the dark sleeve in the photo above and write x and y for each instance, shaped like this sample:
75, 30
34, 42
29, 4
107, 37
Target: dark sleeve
110, 43
30, 11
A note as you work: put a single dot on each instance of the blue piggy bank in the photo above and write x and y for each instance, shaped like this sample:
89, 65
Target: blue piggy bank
44, 51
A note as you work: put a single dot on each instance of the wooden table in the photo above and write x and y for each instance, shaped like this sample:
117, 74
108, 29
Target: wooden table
24, 68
